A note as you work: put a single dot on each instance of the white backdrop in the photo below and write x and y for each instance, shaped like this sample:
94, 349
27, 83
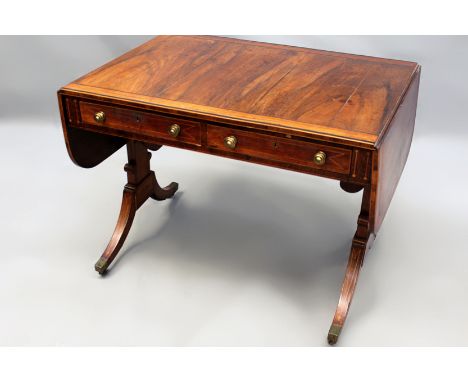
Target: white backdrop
244, 255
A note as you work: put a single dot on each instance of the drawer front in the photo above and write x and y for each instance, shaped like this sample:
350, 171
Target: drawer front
141, 122
286, 150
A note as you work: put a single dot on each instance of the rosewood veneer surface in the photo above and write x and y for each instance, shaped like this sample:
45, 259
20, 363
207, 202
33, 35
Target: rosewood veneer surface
335, 115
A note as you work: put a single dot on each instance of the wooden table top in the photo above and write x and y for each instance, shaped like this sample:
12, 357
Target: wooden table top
314, 92
334, 115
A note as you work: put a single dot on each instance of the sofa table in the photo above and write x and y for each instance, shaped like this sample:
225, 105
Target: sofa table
334, 115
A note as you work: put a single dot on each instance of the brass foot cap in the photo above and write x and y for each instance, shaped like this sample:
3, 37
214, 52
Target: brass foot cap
333, 334
101, 266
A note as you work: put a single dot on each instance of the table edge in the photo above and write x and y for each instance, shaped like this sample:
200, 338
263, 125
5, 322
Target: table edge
208, 113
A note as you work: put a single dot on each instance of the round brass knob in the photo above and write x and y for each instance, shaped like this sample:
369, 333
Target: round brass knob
100, 116
230, 142
174, 130
320, 157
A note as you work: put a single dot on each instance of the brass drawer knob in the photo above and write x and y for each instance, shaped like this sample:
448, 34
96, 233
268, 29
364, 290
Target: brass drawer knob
230, 142
100, 116
174, 130
319, 158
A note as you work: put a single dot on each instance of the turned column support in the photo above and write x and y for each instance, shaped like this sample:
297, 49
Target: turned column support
362, 241
141, 185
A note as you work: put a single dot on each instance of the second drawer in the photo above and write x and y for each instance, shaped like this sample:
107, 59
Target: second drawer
335, 159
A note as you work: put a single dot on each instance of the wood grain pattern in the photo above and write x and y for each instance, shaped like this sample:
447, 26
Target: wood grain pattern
388, 163
273, 149
141, 185
283, 104
279, 149
313, 91
142, 123
362, 241
393, 152
85, 148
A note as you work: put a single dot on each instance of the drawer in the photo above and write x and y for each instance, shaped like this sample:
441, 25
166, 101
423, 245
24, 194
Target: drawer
286, 150
145, 123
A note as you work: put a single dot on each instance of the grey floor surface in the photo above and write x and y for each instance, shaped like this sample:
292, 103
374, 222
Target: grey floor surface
244, 255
